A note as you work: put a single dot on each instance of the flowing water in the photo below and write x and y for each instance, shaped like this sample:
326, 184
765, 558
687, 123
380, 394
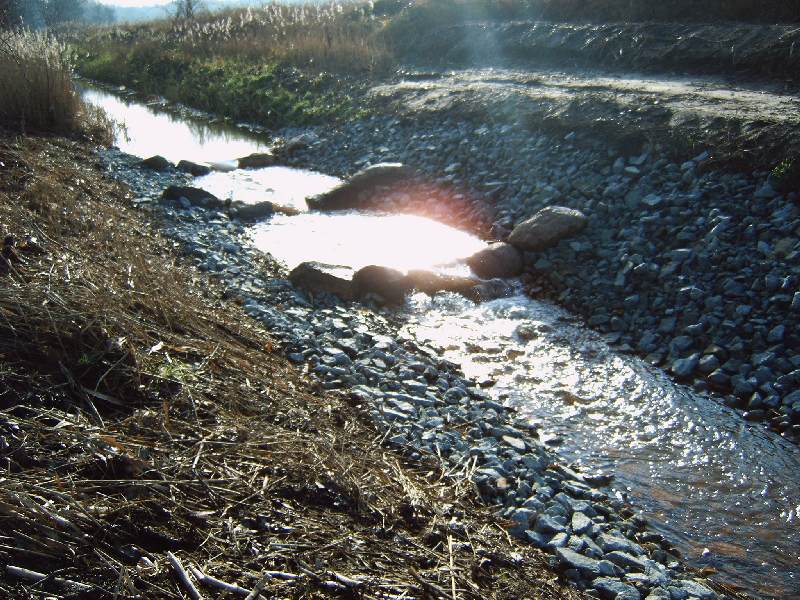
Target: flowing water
725, 491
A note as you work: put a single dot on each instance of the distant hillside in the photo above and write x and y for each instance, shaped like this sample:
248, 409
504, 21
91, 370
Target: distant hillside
138, 14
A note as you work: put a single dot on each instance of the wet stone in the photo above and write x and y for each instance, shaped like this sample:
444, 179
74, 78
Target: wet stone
588, 567
547, 524
614, 589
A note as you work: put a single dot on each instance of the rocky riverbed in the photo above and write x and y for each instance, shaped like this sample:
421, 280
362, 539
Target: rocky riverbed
428, 408
691, 267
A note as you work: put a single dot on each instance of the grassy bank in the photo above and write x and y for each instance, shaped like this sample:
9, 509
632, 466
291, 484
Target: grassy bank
140, 414
278, 65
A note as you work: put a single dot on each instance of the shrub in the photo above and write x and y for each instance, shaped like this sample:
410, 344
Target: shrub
37, 91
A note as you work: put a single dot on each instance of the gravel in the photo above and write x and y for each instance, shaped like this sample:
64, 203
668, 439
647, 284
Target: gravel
427, 407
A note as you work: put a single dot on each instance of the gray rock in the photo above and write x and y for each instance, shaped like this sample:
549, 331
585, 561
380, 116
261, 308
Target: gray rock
547, 227
193, 168
695, 589
614, 589
684, 367
318, 277
356, 191
390, 284
570, 559
254, 212
581, 523
610, 542
156, 163
257, 160
196, 196
547, 524
497, 260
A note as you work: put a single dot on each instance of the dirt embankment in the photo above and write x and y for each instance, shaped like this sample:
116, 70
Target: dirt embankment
747, 127
669, 84
140, 415
761, 52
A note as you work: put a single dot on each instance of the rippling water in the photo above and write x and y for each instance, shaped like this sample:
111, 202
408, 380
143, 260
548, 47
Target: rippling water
727, 492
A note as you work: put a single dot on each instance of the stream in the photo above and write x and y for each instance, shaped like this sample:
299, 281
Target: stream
726, 492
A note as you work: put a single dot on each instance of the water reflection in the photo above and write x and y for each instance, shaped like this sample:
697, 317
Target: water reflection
149, 131
402, 242
281, 185
726, 491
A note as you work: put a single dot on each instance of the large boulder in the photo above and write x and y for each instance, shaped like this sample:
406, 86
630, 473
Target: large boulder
547, 227
257, 160
195, 196
390, 285
156, 163
497, 260
318, 277
193, 168
355, 191
254, 212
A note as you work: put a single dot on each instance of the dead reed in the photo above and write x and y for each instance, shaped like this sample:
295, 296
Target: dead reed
36, 88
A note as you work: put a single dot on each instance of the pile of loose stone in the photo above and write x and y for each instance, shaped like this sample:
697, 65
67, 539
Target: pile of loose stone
694, 268
427, 408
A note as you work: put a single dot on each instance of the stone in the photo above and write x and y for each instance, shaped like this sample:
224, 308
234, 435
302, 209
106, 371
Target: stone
156, 163
429, 282
490, 289
390, 285
497, 260
547, 227
581, 523
609, 542
696, 589
614, 589
775, 335
319, 277
625, 560
546, 524
193, 168
684, 367
254, 212
356, 191
195, 196
257, 160
570, 559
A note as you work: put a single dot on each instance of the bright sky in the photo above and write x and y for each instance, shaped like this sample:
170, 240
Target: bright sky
136, 2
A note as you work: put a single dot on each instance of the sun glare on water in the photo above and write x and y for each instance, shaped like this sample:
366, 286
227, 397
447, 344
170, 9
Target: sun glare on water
403, 242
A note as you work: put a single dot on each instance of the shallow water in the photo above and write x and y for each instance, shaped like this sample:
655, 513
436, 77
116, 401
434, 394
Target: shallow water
727, 492
150, 130
402, 242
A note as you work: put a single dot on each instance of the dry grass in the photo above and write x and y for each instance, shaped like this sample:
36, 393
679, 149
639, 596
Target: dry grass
140, 415
334, 37
36, 89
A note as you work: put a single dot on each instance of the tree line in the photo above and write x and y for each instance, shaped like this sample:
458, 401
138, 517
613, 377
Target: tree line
37, 14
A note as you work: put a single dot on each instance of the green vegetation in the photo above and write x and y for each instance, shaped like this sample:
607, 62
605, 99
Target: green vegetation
787, 175
303, 64
278, 65
36, 89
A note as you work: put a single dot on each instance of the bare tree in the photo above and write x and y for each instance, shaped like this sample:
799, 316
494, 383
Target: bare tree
186, 10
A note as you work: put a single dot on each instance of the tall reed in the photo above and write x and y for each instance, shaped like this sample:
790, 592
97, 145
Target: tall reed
36, 88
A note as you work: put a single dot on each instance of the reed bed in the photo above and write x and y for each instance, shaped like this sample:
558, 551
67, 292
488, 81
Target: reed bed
36, 88
339, 37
